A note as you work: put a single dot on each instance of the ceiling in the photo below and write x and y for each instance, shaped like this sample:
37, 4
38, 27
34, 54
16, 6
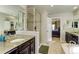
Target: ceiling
56, 8
60, 9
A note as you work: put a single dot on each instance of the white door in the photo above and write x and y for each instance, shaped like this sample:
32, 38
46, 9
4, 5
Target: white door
49, 30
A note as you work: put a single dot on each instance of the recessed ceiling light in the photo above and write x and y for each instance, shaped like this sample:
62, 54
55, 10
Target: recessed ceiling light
51, 5
75, 7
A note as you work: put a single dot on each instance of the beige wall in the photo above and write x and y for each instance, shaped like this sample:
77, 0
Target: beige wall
30, 18
38, 23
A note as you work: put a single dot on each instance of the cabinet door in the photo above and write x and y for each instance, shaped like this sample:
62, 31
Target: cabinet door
24, 48
32, 46
71, 37
66, 37
27, 47
27, 50
75, 38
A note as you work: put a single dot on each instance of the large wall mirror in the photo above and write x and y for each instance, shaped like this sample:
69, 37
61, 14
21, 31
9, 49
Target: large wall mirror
75, 24
20, 21
72, 24
11, 23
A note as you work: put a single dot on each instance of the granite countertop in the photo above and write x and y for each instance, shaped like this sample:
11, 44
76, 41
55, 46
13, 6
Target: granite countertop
69, 48
7, 45
74, 33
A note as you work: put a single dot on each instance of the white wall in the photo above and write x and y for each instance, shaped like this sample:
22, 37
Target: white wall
44, 16
38, 23
63, 27
49, 30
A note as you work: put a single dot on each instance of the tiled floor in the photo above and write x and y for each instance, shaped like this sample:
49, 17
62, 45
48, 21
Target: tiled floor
55, 46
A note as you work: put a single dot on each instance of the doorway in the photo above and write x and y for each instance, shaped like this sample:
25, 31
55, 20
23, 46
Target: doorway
56, 28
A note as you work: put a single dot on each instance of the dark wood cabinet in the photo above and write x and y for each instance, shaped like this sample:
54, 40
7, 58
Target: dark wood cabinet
32, 47
13, 51
25, 48
68, 37
71, 37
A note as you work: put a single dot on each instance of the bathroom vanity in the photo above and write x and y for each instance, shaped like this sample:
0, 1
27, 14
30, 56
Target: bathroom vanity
70, 48
18, 44
72, 37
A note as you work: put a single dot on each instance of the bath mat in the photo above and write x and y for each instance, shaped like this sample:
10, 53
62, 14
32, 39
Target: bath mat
43, 49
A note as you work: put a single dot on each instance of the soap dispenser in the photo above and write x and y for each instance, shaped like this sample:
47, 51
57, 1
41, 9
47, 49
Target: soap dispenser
2, 37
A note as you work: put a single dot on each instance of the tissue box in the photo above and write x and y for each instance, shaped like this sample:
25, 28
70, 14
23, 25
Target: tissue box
2, 38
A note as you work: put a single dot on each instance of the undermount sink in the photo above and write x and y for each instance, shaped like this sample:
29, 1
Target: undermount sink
70, 48
75, 49
17, 40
